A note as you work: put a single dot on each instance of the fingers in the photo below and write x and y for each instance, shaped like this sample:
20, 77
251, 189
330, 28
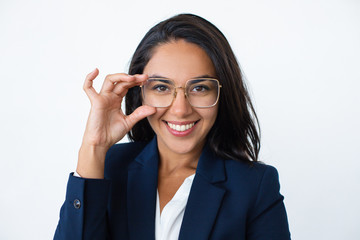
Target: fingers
140, 113
112, 79
88, 88
119, 82
121, 88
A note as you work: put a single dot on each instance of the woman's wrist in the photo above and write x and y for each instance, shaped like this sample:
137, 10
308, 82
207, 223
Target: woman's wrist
91, 161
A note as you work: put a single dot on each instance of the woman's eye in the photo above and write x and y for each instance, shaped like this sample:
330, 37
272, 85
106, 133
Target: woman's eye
160, 88
200, 88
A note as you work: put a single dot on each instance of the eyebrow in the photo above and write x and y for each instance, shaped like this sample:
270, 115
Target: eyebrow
201, 76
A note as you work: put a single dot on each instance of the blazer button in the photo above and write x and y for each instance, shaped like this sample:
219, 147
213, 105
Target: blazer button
77, 203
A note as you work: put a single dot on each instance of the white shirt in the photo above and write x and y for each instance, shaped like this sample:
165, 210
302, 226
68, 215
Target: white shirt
167, 225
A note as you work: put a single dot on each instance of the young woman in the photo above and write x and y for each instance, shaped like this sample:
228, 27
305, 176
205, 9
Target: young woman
191, 171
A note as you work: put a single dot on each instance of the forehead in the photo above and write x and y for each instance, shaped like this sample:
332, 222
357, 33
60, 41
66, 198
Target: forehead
179, 60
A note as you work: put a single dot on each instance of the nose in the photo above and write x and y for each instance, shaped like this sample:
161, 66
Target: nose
180, 106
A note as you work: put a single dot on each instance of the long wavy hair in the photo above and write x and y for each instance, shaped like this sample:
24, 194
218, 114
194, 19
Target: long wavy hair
236, 132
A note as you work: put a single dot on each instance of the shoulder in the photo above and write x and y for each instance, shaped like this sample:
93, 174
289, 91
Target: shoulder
256, 186
256, 183
253, 171
119, 156
252, 178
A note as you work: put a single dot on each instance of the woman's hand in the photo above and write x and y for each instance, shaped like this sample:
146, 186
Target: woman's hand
107, 124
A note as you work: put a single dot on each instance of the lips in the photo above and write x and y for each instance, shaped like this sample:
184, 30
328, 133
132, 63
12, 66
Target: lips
181, 128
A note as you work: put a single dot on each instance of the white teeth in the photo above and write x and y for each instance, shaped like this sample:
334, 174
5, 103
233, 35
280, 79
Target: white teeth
181, 128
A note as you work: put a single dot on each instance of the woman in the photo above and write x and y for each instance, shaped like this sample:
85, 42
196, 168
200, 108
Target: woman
191, 171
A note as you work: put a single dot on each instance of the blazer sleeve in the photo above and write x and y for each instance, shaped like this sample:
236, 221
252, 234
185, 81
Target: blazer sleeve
84, 212
268, 219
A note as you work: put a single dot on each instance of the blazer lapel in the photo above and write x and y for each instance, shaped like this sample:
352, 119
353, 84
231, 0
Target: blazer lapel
205, 198
141, 198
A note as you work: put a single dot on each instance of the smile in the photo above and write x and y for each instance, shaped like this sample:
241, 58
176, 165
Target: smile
180, 128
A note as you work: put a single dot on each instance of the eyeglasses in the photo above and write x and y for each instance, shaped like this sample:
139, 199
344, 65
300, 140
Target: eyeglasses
200, 92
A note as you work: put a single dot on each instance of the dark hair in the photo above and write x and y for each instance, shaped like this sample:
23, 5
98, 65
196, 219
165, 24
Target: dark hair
234, 134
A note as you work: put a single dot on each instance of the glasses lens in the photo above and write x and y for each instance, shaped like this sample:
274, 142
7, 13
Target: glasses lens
202, 92
158, 92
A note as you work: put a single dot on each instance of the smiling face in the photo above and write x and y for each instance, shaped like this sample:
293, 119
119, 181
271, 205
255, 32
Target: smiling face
181, 128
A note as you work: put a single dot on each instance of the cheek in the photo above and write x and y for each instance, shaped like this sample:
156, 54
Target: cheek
155, 119
213, 112
209, 115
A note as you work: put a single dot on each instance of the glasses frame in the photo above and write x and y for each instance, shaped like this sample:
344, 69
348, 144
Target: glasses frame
184, 88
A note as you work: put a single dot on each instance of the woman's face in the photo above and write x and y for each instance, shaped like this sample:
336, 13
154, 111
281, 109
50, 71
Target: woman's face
180, 61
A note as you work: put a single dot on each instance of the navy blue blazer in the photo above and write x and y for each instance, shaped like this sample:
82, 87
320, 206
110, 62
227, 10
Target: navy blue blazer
228, 200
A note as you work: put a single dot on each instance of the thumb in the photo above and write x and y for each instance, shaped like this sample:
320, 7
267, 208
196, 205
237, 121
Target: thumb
140, 113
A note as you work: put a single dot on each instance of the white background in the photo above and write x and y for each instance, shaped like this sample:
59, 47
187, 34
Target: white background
301, 60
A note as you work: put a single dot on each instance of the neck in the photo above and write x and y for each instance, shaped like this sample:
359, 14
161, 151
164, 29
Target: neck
172, 162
